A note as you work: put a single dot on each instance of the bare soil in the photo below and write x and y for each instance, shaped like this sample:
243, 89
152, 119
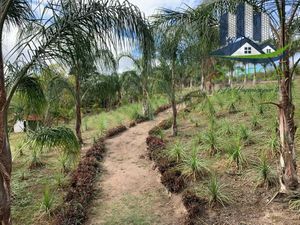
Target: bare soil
129, 191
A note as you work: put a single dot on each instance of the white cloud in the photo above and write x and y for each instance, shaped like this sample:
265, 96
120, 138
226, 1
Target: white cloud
149, 6
9, 39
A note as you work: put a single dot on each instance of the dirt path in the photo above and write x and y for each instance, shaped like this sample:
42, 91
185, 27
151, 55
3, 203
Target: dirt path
130, 191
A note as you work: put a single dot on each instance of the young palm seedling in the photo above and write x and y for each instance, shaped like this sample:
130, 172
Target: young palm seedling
265, 174
273, 145
254, 122
177, 152
226, 128
47, 202
236, 156
216, 193
209, 139
244, 134
193, 167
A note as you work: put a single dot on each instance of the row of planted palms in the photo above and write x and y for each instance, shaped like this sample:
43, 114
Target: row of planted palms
234, 131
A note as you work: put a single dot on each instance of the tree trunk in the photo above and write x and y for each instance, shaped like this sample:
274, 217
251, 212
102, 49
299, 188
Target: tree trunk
254, 75
5, 156
230, 78
202, 85
173, 103
78, 109
146, 105
287, 128
174, 110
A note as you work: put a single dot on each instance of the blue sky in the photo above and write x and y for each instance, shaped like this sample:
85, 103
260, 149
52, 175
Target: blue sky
149, 7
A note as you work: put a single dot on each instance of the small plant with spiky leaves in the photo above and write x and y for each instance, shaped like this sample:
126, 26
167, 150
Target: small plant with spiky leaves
60, 180
273, 145
265, 174
232, 108
260, 109
216, 192
226, 128
176, 152
209, 139
255, 122
244, 134
47, 201
236, 155
193, 167
294, 203
35, 161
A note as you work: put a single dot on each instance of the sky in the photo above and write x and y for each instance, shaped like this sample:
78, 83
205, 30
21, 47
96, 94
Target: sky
149, 7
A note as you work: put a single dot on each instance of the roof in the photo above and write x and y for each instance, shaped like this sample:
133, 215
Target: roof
266, 44
232, 47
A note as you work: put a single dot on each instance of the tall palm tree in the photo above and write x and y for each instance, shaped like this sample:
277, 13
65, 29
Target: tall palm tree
140, 77
110, 23
284, 23
169, 42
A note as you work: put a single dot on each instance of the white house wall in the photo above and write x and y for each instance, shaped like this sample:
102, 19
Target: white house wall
265, 50
241, 50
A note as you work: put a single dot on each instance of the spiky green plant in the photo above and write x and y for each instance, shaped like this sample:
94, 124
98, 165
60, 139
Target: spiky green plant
244, 134
294, 204
209, 139
226, 128
176, 152
47, 201
60, 180
260, 109
231, 107
35, 160
254, 122
273, 145
216, 192
265, 174
236, 155
193, 167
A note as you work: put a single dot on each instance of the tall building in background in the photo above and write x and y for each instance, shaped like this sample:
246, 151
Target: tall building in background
245, 23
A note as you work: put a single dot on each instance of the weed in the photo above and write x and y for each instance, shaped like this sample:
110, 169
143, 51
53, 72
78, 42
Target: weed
265, 173
47, 201
176, 152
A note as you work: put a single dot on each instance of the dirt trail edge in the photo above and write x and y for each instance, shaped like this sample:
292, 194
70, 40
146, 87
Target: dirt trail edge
129, 190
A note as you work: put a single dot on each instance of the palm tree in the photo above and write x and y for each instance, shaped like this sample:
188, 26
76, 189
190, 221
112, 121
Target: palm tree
284, 24
109, 23
169, 40
141, 79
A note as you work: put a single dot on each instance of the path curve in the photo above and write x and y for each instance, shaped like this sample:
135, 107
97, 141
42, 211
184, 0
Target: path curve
129, 190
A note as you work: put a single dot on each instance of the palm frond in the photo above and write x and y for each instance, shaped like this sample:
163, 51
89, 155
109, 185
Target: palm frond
61, 138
